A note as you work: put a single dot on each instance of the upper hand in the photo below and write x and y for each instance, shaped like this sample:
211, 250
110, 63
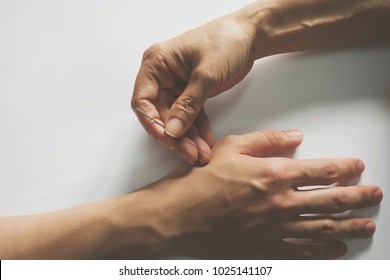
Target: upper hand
177, 76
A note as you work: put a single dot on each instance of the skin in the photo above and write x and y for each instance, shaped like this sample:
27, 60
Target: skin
244, 204
177, 76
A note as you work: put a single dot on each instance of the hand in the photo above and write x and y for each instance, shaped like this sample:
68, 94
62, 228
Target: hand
246, 203
177, 76
243, 204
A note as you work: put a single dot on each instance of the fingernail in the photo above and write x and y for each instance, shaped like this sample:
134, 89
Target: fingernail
360, 167
174, 127
294, 133
370, 228
377, 195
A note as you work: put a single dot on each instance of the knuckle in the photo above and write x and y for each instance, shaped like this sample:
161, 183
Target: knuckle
230, 140
330, 171
357, 227
328, 228
340, 202
156, 48
290, 171
278, 172
188, 105
156, 56
272, 174
281, 205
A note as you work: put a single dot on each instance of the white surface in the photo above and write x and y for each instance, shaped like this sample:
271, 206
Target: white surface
68, 137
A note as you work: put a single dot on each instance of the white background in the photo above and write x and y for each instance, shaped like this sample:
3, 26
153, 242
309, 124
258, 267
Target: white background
67, 135
102, 270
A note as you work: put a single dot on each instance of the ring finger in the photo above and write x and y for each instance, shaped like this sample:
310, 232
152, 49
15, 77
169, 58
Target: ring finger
328, 228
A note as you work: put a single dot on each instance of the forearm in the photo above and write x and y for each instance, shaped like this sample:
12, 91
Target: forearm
283, 26
58, 235
121, 227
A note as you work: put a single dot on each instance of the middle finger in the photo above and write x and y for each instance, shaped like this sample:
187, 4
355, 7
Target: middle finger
325, 171
336, 199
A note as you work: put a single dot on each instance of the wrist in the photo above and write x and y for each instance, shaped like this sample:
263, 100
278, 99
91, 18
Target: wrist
284, 26
159, 220
136, 227
259, 17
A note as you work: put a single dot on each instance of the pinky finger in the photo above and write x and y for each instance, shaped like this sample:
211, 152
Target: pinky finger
202, 123
299, 249
193, 148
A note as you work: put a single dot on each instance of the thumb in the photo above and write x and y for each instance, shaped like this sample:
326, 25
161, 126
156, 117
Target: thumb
269, 142
186, 108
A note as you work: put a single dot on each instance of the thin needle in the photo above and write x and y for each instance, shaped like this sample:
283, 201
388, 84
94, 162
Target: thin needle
149, 117
160, 124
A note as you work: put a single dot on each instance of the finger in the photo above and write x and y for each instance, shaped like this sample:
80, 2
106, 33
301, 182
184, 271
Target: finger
153, 92
337, 199
144, 96
265, 143
310, 249
154, 126
328, 228
188, 105
145, 88
202, 123
187, 149
324, 171
204, 151
193, 148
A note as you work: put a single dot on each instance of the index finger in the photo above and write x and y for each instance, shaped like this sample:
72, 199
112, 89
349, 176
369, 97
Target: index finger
144, 98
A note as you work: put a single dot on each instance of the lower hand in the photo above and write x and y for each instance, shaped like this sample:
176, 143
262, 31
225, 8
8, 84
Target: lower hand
246, 203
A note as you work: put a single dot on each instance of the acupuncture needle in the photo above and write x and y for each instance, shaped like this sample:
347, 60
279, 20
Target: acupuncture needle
163, 126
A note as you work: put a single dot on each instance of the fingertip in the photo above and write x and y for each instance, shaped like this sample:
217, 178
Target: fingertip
204, 152
341, 249
377, 195
187, 157
370, 228
187, 150
294, 134
360, 167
